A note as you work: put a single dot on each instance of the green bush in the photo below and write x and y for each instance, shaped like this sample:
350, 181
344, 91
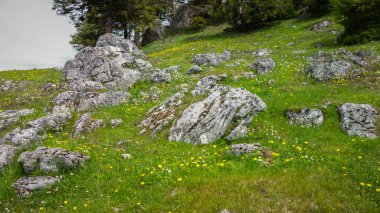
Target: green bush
360, 18
198, 23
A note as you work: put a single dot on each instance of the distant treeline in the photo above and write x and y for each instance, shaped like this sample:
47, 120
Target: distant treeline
134, 19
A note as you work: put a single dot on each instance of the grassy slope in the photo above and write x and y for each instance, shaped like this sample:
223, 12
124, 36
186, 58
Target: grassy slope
317, 169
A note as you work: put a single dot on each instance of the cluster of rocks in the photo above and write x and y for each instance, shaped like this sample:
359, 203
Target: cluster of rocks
325, 66
321, 26
10, 117
226, 112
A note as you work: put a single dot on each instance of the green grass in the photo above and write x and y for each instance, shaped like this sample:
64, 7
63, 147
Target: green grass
312, 170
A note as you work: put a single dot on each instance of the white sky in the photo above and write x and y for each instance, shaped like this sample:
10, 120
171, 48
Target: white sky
33, 36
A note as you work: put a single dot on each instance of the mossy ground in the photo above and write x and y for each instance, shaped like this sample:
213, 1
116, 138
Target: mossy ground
310, 170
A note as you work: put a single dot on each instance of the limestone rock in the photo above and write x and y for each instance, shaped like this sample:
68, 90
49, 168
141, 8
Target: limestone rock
125, 45
83, 85
211, 59
7, 154
53, 122
115, 122
10, 117
50, 160
305, 117
92, 100
49, 87
210, 119
86, 124
262, 52
194, 69
263, 65
159, 76
26, 185
321, 26
7, 86
24, 137
358, 119
325, 66
173, 69
160, 116
206, 85
241, 149
68, 98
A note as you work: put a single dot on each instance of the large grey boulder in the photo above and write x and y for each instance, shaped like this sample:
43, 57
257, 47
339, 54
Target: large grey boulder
210, 119
24, 138
160, 116
263, 65
26, 185
358, 119
7, 154
211, 59
51, 160
87, 124
241, 149
305, 117
325, 66
125, 45
10, 117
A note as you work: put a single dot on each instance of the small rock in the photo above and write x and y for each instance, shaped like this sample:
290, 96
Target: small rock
225, 211
173, 69
358, 119
321, 26
7, 154
126, 156
159, 76
49, 87
115, 122
306, 117
262, 52
211, 59
194, 69
299, 52
26, 185
86, 124
240, 149
50, 160
263, 65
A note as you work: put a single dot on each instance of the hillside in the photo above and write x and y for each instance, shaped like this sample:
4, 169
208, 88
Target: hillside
302, 169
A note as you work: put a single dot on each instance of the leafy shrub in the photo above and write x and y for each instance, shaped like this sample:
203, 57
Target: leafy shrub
360, 19
198, 23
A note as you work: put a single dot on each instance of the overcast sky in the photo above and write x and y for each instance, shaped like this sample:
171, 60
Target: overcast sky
33, 36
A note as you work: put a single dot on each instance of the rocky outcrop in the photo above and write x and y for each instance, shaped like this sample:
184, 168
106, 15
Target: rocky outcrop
263, 65
206, 85
87, 124
51, 160
125, 45
211, 59
305, 117
160, 116
7, 154
10, 117
241, 149
194, 69
24, 138
340, 64
223, 112
93, 100
26, 185
358, 119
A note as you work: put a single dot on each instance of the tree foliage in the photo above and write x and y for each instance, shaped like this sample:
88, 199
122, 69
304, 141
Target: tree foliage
360, 18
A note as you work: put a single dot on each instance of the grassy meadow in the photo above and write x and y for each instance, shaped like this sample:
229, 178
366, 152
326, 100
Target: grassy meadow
309, 170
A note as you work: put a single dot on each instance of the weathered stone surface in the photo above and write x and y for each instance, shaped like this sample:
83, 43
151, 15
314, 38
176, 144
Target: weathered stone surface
211, 59
53, 122
24, 137
321, 26
104, 65
305, 117
7, 154
83, 85
142, 64
7, 86
68, 98
26, 185
125, 45
160, 116
49, 87
50, 160
263, 65
194, 69
206, 85
86, 124
262, 52
115, 122
159, 76
173, 69
92, 100
10, 117
340, 64
241, 149
358, 119
210, 119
